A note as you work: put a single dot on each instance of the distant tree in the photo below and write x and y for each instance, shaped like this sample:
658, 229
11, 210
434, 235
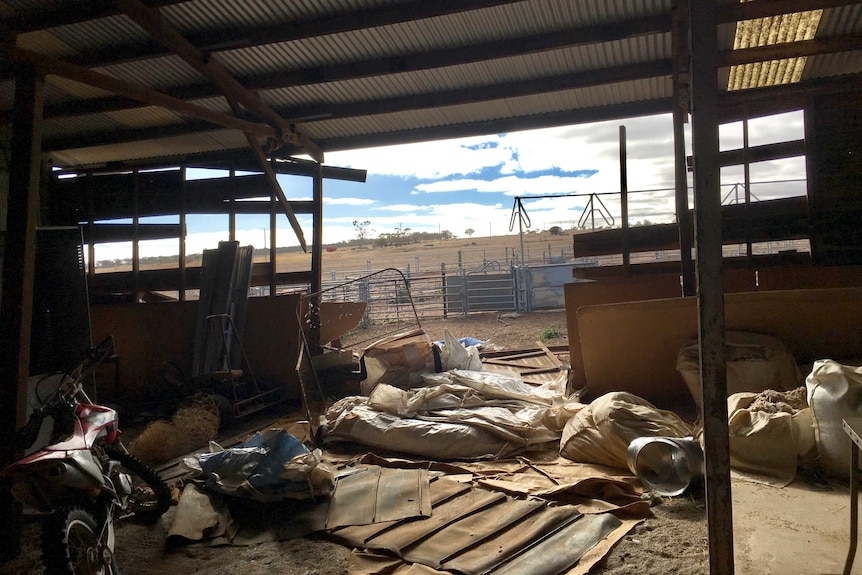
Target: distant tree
556, 231
361, 230
470, 232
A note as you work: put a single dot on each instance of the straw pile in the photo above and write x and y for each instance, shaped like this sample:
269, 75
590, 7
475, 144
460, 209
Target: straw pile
191, 427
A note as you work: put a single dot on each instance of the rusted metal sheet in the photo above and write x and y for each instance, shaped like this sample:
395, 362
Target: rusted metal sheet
441, 490
376, 494
472, 531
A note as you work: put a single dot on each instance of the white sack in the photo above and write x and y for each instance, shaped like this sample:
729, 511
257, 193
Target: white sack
755, 362
767, 447
834, 394
601, 432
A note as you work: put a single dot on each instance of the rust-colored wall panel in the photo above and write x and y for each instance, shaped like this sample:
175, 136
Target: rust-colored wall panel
633, 346
148, 335
609, 290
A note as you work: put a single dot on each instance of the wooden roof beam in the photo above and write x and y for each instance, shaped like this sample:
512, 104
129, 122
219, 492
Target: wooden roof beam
163, 31
231, 38
735, 12
65, 12
235, 93
139, 93
814, 47
585, 36
639, 71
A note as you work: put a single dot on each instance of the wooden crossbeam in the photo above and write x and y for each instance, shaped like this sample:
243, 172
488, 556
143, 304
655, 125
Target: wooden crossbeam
236, 94
163, 31
137, 92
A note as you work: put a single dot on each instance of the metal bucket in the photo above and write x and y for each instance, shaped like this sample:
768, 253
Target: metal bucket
665, 465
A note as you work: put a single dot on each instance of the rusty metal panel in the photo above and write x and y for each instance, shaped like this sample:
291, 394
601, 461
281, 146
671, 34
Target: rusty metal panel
475, 532
561, 549
470, 532
441, 490
376, 494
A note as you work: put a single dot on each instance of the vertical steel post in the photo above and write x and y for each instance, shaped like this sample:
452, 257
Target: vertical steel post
704, 69
16, 302
747, 167
624, 200
679, 38
182, 239
232, 204
273, 225
521, 227
136, 251
317, 230
91, 229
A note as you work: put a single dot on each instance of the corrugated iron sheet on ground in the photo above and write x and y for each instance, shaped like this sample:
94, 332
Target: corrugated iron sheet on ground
473, 531
376, 494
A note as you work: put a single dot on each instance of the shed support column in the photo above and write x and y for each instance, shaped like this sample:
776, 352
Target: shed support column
681, 101
317, 231
710, 296
19, 262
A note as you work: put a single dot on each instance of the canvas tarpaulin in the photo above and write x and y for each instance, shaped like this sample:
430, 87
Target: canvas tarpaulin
459, 414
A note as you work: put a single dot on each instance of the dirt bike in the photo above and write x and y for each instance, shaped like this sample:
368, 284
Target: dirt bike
80, 476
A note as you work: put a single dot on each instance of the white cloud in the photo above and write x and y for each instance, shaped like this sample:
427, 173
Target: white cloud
509, 185
347, 201
522, 162
428, 160
402, 208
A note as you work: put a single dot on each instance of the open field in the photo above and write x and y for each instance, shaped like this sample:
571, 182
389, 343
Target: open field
487, 252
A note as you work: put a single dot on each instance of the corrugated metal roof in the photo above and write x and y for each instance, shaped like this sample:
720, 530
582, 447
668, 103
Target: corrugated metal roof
841, 20
373, 64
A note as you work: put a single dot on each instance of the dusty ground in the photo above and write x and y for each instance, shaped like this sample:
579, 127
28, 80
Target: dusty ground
672, 542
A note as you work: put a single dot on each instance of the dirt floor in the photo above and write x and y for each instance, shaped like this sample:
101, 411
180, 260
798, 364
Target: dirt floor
673, 541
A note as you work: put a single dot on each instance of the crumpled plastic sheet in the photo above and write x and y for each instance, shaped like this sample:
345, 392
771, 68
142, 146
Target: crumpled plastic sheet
458, 354
495, 385
460, 414
269, 466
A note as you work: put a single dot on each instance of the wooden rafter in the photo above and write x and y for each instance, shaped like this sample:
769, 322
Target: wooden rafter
65, 12
584, 36
235, 93
163, 31
814, 47
142, 94
414, 102
734, 12
230, 38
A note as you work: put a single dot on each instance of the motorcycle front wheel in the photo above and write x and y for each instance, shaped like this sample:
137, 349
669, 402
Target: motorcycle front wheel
71, 544
150, 496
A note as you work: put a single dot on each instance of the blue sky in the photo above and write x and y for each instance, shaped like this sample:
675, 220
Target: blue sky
471, 183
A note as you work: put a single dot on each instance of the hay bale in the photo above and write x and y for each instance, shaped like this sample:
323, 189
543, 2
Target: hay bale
191, 427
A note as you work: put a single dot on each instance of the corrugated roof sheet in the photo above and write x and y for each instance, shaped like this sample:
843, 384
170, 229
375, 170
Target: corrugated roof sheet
407, 38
